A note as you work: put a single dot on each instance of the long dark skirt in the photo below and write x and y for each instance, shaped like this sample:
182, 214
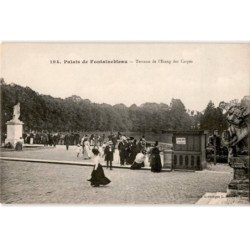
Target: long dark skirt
132, 157
98, 177
155, 163
137, 165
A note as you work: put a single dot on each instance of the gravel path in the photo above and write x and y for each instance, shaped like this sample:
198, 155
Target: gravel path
50, 183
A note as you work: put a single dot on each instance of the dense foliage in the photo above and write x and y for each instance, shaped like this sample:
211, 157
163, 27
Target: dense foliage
44, 112
213, 118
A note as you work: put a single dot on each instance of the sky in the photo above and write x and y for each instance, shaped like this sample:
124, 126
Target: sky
217, 72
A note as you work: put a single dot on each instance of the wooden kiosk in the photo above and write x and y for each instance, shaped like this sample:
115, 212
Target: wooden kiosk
189, 150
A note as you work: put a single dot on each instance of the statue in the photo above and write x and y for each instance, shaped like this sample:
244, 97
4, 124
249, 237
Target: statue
16, 112
14, 128
236, 139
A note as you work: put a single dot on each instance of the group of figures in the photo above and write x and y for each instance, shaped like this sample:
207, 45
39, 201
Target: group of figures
130, 152
93, 141
60, 138
45, 138
134, 154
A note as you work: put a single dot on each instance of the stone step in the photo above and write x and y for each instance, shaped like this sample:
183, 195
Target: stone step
88, 164
205, 199
219, 199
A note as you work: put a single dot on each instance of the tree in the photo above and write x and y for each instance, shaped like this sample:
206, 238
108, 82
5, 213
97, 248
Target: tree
179, 117
44, 112
2, 82
213, 118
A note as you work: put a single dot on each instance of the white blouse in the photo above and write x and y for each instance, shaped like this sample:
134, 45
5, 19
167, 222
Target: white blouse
96, 160
140, 157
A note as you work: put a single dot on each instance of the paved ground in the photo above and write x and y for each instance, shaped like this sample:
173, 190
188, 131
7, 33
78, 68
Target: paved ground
57, 153
24, 182
219, 198
61, 154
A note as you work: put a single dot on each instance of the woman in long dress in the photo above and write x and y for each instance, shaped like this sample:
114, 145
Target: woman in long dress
86, 149
133, 152
97, 176
155, 159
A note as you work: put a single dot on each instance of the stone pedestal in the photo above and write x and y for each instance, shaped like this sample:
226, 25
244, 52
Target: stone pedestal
14, 132
167, 158
239, 186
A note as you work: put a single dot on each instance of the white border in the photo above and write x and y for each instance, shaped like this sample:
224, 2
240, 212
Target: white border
114, 20
77, 227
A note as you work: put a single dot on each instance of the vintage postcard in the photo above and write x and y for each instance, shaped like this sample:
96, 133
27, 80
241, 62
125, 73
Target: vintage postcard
125, 123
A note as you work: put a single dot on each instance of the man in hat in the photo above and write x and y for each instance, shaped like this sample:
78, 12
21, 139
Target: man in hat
67, 141
122, 147
109, 154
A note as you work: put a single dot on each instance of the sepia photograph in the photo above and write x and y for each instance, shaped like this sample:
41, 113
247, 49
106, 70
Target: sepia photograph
125, 123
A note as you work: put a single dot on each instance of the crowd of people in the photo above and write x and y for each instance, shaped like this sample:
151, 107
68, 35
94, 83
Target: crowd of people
61, 138
131, 151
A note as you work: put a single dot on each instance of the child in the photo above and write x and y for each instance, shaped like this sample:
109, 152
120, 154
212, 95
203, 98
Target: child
109, 154
104, 144
78, 150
